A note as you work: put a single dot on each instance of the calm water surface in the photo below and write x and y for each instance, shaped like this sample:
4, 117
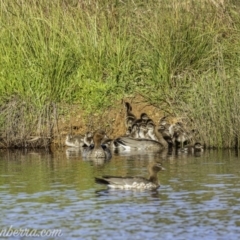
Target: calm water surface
199, 197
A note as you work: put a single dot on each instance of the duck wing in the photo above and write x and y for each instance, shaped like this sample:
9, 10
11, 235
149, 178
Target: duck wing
128, 142
121, 181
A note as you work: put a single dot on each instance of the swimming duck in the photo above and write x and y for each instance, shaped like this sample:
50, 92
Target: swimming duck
151, 183
197, 147
74, 141
98, 150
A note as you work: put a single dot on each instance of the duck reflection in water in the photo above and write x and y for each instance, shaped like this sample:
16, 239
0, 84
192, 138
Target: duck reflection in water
154, 193
73, 152
195, 149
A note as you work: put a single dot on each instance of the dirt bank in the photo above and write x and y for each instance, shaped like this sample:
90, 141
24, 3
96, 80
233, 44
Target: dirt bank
112, 120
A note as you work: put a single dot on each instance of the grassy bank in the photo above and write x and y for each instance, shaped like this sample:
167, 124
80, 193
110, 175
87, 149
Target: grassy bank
183, 57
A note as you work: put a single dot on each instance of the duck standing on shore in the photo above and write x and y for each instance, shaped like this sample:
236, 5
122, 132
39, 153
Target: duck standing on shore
130, 117
79, 141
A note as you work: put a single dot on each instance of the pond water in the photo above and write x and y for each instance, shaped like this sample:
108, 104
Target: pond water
42, 192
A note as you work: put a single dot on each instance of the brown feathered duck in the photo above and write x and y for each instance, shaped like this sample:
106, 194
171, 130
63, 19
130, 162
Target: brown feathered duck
151, 130
79, 140
88, 138
182, 136
130, 117
142, 120
129, 143
136, 182
97, 149
197, 147
74, 141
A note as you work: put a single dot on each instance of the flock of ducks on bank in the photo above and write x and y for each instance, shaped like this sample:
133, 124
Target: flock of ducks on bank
141, 134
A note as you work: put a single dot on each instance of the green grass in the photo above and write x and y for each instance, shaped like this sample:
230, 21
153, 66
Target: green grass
183, 57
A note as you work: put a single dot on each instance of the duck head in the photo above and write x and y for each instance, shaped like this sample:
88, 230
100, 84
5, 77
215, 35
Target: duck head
144, 117
98, 136
156, 167
153, 169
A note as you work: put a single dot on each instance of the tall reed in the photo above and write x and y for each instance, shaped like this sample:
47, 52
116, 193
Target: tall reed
182, 56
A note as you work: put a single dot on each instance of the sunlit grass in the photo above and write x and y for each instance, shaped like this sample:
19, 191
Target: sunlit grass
182, 56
